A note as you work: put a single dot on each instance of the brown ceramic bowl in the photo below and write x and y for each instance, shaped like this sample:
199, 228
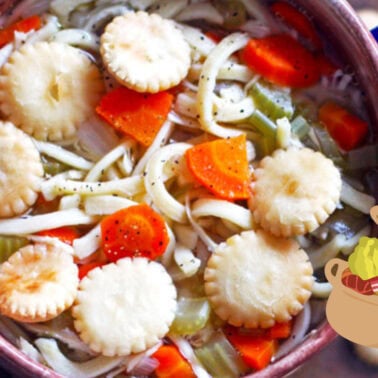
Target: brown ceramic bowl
353, 42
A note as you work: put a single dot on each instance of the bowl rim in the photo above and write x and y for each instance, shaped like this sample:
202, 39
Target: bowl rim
346, 19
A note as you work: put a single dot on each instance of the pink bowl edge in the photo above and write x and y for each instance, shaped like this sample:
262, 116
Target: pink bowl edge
358, 39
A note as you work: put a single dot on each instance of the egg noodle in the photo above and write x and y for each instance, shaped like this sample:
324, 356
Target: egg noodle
94, 170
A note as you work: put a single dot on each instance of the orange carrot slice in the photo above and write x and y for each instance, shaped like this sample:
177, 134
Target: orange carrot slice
86, 268
325, 65
282, 60
215, 37
298, 21
345, 128
280, 330
134, 231
256, 351
139, 115
66, 234
222, 167
24, 26
171, 363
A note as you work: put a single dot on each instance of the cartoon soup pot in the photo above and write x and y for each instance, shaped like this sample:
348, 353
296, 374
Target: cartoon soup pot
352, 308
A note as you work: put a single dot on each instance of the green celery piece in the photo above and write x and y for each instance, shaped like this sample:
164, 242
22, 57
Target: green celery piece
275, 102
210, 361
328, 146
192, 315
220, 358
300, 127
52, 167
9, 245
263, 124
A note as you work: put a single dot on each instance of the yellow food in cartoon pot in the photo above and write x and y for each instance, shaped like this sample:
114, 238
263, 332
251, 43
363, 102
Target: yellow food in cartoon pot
352, 314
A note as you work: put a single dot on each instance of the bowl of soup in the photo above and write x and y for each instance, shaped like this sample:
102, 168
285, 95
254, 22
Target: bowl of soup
174, 178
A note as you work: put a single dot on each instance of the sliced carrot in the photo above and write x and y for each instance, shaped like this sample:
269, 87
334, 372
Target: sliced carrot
222, 167
345, 128
282, 60
139, 115
256, 351
24, 26
280, 330
171, 363
134, 231
66, 234
86, 268
325, 65
213, 36
298, 21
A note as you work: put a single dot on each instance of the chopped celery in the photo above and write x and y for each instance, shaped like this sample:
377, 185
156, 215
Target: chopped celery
275, 102
52, 167
300, 127
192, 315
364, 157
220, 359
265, 146
328, 146
9, 245
263, 124
234, 13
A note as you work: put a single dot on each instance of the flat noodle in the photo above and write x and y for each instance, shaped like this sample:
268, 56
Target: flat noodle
110, 158
228, 71
71, 201
106, 204
206, 85
198, 41
186, 261
358, 200
47, 188
186, 104
210, 244
63, 8
321, 289
201, 11
62, 155
99, 17
51, 27
229, 211
154, 184
339, 243
227, 111
186, 235
32, 224
87, 244
168, 8
126, 187
166, 258
78, 37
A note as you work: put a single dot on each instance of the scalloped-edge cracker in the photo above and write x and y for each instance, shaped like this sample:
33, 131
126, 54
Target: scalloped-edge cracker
37, 283
125, 307
145, 52
255, 279
295, 191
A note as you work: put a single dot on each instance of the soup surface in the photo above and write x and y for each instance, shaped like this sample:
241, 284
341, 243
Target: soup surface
174, 175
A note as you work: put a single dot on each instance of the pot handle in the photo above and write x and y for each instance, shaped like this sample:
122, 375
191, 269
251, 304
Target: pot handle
340, 265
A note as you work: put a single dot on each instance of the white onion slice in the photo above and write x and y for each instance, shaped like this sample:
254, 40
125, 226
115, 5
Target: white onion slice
300, 327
